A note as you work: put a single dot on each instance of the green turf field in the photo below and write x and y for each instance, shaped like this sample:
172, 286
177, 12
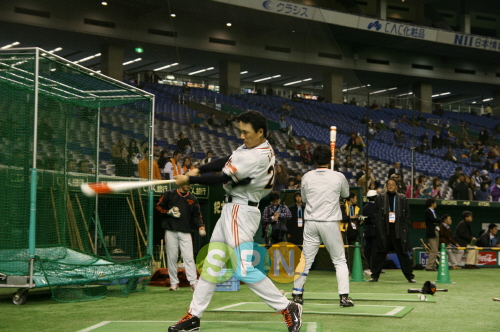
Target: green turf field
467, 306
369, 297
324, 309
208, 326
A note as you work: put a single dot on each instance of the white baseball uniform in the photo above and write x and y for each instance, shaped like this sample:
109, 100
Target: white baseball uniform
321, 189
239, 221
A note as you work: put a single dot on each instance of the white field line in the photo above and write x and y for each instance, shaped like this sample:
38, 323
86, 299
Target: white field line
394, 311
311, 326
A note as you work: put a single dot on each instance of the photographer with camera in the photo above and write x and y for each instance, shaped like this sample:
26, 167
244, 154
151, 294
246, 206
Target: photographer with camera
274, 220
350, 231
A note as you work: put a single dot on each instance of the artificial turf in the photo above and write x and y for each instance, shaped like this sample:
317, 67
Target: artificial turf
467, 306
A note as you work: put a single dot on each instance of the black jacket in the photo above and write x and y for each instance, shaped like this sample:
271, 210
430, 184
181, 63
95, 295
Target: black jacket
484, 136
453, 179
396, 171
430, 223
125, 167
296, 232
370, 228
402, 225
349, 234
484, 240
463, 233
189, 208
437, 142
359, 175
182, 143
461, 191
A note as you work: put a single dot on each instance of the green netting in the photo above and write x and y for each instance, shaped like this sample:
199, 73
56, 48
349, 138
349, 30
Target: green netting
84, 247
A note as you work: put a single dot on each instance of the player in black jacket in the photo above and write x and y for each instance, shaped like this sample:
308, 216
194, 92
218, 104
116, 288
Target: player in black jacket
181, 217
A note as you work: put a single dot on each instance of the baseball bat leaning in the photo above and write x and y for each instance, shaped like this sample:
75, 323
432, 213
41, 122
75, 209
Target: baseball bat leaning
333, 143
100, 188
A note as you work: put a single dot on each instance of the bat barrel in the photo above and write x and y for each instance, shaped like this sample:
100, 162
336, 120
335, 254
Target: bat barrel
100, 188
333, 142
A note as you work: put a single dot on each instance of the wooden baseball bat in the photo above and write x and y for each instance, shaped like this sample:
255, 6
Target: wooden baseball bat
100, 188
428, 250
496, 299
143, 213
138, 227
333, 143
85, 224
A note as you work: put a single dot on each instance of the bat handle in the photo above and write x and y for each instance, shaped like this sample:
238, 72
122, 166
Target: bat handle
442, 290
414, 290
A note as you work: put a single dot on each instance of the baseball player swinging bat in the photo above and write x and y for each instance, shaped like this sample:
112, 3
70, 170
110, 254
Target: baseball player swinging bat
101, 188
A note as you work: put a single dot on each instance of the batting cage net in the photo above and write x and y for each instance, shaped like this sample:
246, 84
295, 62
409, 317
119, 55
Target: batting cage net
62, 125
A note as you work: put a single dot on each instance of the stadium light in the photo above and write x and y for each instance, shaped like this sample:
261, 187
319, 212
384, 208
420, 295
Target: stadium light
263, 79
295, 82
357, 87
441, 94
9, 45
200, 71
379, 91
132, 61
165, 67
267, 78
88, 58
55, 50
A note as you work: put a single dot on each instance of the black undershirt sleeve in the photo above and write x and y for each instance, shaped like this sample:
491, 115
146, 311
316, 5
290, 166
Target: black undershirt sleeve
209, 179
214, 166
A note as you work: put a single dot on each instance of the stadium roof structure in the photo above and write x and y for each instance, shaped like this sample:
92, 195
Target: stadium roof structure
61, 79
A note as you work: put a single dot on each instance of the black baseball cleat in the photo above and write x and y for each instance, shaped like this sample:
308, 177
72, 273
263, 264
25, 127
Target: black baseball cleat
297, 298
292, 316
187, 323
346, 301
373, 280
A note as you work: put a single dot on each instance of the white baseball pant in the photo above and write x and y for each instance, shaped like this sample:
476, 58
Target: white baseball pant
236, 225
327, 232
174, 241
